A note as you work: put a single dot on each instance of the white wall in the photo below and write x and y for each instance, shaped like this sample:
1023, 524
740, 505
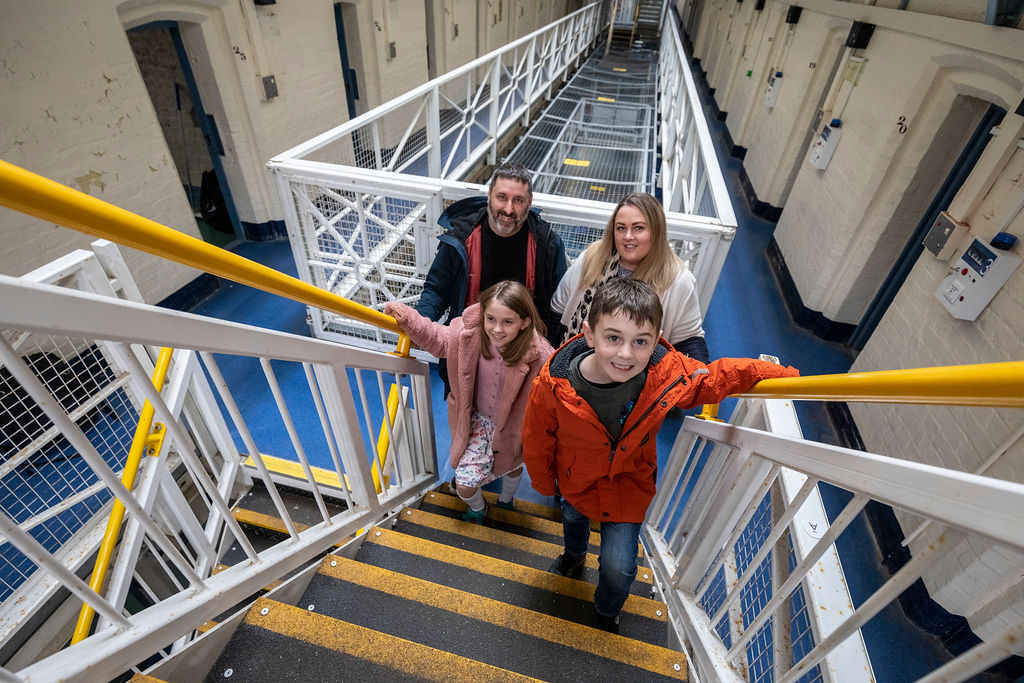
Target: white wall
841, 228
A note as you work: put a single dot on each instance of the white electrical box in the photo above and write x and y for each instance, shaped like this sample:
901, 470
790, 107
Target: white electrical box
774, 85
979, 273
825, 145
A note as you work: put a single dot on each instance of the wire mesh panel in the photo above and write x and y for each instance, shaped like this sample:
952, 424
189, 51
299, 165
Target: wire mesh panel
44, 483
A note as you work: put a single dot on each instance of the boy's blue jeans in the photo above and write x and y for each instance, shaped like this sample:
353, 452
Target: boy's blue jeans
617, 558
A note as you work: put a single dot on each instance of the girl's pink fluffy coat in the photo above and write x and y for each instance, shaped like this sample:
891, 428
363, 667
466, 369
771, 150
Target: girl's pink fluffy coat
460, 343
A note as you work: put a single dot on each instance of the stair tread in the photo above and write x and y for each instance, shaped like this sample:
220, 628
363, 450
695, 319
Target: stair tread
302, 508
308, 646
496, 543
487, 629
542, 591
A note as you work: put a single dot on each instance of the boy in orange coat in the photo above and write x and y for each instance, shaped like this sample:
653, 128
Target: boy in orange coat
591, 422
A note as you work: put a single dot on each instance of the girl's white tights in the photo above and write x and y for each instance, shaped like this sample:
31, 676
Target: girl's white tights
509, 485
475, 501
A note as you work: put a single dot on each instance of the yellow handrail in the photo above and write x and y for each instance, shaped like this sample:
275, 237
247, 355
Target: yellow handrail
999, 385
38, 196
142, 441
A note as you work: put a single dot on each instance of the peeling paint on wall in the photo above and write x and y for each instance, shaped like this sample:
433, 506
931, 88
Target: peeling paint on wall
85, 182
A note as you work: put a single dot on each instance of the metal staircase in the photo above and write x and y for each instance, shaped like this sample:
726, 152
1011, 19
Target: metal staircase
425, 595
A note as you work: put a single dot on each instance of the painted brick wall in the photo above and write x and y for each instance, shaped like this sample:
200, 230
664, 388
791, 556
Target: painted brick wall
76, 111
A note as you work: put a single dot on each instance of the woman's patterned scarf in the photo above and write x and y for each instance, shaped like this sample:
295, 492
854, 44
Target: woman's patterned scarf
583, 308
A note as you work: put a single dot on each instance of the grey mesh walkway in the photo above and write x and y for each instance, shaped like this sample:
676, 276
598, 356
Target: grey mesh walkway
597, 138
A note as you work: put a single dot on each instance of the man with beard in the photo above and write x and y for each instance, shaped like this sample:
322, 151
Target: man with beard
486, 243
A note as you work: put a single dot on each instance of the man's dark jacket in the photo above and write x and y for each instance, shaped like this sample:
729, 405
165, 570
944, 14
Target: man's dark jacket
447, 283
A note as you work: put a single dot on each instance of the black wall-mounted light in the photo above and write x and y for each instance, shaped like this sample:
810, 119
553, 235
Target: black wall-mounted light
860, 34
793, 15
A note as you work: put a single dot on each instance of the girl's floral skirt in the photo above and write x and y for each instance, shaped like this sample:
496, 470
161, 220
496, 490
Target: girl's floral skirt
476, 467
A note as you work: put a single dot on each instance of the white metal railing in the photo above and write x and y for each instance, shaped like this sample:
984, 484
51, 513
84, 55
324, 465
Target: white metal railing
370, 236
362, 218
691, 177
747, 557
448, 125
223, 397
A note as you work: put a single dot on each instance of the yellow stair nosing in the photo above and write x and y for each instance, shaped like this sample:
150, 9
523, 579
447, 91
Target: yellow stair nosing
569, 634
294, 470
503, 538
264, 521
516, 517
511, 571
526, 507
400, 654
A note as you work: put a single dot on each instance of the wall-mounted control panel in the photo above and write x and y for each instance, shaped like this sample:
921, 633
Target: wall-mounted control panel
979, 273
825, 144
945, 236
774, 85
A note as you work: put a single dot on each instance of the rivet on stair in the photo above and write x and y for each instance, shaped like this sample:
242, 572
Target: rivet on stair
646, 576
265, 611
334, 563
658, 613
408, 512
310, 608
676, 667
378, 533
228, 672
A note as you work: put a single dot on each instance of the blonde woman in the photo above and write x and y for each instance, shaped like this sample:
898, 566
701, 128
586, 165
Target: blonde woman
635, 244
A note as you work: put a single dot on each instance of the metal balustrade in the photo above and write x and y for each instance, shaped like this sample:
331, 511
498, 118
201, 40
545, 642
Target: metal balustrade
747, 556
210, 429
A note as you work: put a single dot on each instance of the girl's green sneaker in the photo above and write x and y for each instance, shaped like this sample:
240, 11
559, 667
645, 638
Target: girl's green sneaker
475, 516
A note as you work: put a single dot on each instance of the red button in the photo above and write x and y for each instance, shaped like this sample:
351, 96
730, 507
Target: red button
963, 272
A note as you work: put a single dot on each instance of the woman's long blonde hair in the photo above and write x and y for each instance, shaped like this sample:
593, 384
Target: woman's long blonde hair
659, 268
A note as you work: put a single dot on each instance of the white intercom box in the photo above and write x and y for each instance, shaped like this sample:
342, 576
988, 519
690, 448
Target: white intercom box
979, 273
825, 145
774, 85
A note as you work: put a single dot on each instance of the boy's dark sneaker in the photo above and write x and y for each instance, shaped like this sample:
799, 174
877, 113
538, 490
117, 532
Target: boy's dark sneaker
510, 505
568, 566
610, 624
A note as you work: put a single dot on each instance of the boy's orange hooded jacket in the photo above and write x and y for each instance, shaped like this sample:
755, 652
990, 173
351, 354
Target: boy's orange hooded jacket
568, 451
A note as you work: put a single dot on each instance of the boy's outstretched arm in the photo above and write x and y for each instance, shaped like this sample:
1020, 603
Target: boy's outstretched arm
540, 438
713, 382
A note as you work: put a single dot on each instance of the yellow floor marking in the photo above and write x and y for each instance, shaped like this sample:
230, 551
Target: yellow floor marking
143, 678
653, 658
290, 468
597, 188
220, 567
605, 99
617, 68
402, 655
525, 521
576, 162
502, 569
504, 538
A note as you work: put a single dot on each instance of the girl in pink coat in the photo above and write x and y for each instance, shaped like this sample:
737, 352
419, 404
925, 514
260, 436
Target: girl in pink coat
494, 351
